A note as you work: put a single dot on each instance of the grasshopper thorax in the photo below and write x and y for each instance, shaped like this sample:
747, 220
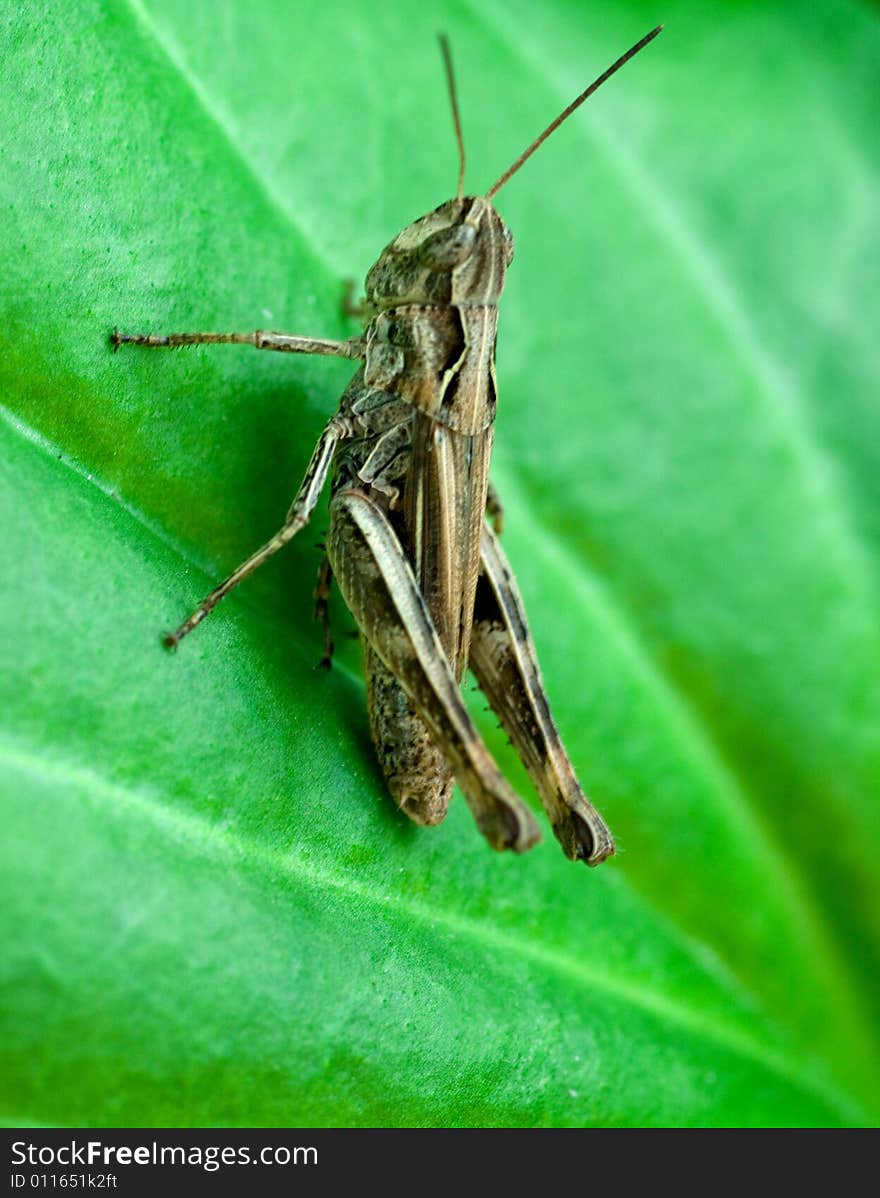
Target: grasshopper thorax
457, 254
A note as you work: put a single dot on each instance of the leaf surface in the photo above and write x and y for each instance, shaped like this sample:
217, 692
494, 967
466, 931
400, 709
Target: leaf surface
214, 914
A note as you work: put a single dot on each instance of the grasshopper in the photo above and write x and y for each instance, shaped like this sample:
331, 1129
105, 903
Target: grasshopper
421, 571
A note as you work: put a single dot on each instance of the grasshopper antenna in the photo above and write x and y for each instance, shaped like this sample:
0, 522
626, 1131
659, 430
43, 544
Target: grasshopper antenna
566, 112
456, 120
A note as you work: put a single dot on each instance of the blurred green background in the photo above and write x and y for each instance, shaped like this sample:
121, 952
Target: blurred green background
212, 913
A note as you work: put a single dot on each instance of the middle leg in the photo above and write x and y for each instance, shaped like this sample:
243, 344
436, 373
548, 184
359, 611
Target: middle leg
297, 518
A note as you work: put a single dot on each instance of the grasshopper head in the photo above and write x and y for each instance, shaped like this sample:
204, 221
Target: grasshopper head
457, 254
460, 252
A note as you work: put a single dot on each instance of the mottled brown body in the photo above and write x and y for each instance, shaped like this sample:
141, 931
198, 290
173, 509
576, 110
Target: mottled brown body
423, 410
424, 576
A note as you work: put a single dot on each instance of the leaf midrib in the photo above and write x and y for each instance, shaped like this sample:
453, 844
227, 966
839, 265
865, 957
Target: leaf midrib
677, 700
163, 811
682, 713
228, 847
593, 594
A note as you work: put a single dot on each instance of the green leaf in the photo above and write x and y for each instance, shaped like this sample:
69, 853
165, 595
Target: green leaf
214, 915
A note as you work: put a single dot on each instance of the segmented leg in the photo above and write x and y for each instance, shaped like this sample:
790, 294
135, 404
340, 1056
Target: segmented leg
321, 596
495, 509
378, 584
298, 516
284, 343
502, 656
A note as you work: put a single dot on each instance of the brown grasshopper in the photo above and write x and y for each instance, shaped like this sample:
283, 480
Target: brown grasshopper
423, 575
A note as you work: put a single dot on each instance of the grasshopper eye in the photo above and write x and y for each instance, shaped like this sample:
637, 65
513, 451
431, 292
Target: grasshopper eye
448, 247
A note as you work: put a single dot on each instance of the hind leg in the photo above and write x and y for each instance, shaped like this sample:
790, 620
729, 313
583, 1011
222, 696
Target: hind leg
502, 656
378, 584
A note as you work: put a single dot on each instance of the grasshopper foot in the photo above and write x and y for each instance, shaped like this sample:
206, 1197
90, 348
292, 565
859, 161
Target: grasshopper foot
584, 839
510, 826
